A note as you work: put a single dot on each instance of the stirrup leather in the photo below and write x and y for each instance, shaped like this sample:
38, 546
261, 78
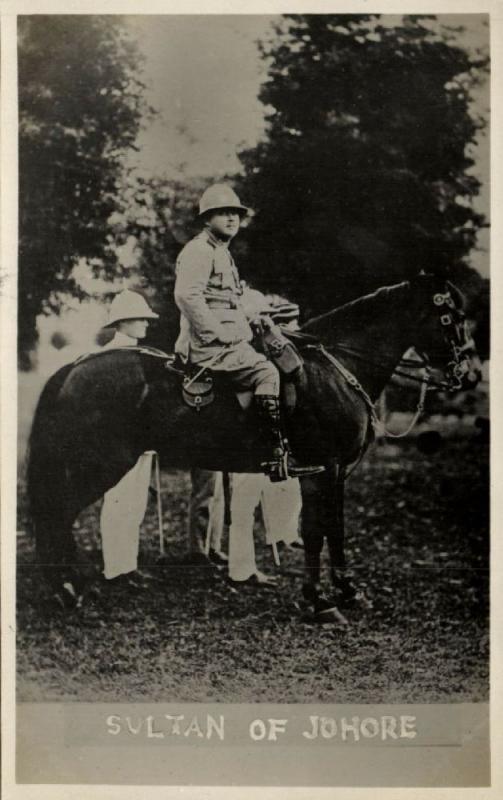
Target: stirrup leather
277, 470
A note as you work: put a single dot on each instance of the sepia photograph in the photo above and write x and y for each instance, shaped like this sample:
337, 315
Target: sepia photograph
253, 430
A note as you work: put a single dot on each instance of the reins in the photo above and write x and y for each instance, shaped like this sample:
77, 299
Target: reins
377, 424
404, 362
455, 369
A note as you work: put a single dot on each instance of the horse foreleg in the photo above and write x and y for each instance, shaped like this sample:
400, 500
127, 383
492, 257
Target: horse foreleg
346, 592
314, 508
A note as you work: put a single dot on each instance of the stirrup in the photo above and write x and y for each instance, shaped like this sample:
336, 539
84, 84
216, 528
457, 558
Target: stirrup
277, 470
283, 468
298, 471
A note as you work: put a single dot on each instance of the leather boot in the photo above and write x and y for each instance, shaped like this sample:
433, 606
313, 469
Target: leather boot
282, 464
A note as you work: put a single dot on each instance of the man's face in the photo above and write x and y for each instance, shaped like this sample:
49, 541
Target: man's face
136, 328
224, 223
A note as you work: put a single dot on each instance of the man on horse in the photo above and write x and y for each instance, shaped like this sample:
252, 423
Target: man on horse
215, 331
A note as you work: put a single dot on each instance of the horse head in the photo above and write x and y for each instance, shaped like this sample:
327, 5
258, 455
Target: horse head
443, 335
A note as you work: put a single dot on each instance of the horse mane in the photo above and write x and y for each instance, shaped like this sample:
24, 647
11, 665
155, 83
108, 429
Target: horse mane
349, 314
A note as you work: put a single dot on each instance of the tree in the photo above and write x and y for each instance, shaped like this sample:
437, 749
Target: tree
157, 216
80, 107
362, 177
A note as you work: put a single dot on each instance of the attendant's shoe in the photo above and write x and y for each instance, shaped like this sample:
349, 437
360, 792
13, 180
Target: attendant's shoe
197, 559
262, 579
257, 580
218, 558
131, 581
296, 544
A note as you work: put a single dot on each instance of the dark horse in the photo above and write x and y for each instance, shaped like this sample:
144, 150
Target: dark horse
95, 418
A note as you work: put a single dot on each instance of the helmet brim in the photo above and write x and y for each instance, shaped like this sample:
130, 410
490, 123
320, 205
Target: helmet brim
113, 322
243, 211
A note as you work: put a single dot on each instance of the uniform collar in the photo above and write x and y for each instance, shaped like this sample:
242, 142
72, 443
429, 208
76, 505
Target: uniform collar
214, 240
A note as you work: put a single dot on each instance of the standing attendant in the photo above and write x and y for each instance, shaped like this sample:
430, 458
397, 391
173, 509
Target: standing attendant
280, 503
214, 330
125, 504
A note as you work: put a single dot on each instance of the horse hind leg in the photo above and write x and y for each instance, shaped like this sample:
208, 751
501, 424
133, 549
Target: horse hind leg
58, 500
56, 555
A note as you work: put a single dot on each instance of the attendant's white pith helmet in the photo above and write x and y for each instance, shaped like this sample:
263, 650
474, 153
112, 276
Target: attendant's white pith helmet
129, 305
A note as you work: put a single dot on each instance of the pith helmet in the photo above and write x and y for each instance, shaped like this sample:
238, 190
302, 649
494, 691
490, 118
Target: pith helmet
129, 305
220, 196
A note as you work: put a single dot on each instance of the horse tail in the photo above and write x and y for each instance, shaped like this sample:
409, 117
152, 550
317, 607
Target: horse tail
41, 465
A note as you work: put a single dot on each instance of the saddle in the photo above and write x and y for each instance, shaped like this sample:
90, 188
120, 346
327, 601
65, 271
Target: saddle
198, 385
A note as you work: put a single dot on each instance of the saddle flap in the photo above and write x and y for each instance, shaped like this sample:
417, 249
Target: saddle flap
198, 392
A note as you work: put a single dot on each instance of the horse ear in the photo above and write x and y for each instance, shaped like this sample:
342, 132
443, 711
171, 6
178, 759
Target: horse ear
458, 296
421, 278
440, 271
426, 273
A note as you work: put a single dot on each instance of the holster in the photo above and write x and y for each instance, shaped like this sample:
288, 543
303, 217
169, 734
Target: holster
280, 350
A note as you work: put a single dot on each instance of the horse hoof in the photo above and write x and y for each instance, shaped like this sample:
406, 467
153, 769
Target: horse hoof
332, 615
356, 599
363, 601
57, 598
345, 600
346, 594
67, 598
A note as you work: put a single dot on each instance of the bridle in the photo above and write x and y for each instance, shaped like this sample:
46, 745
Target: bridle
457, 337
454, 329
461, 345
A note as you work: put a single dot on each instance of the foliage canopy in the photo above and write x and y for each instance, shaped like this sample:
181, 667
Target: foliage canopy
80, 106
363, 176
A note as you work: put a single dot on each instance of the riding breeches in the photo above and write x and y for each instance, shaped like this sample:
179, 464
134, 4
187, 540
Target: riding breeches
262, 378
245, 368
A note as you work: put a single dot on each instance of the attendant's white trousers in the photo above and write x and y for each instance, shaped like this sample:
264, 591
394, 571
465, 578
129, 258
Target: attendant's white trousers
122, 513
281, 505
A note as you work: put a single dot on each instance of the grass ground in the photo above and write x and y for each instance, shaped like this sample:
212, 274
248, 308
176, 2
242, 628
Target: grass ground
417, 529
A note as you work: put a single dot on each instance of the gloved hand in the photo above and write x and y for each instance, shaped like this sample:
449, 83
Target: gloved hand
265, 321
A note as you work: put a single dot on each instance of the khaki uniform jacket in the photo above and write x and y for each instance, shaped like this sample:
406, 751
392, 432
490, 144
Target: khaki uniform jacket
208, 293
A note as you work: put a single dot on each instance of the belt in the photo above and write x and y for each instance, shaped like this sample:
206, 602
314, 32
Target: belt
214, 303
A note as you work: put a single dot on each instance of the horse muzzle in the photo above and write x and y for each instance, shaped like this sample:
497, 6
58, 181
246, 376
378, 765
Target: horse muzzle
472, 378
466, 374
